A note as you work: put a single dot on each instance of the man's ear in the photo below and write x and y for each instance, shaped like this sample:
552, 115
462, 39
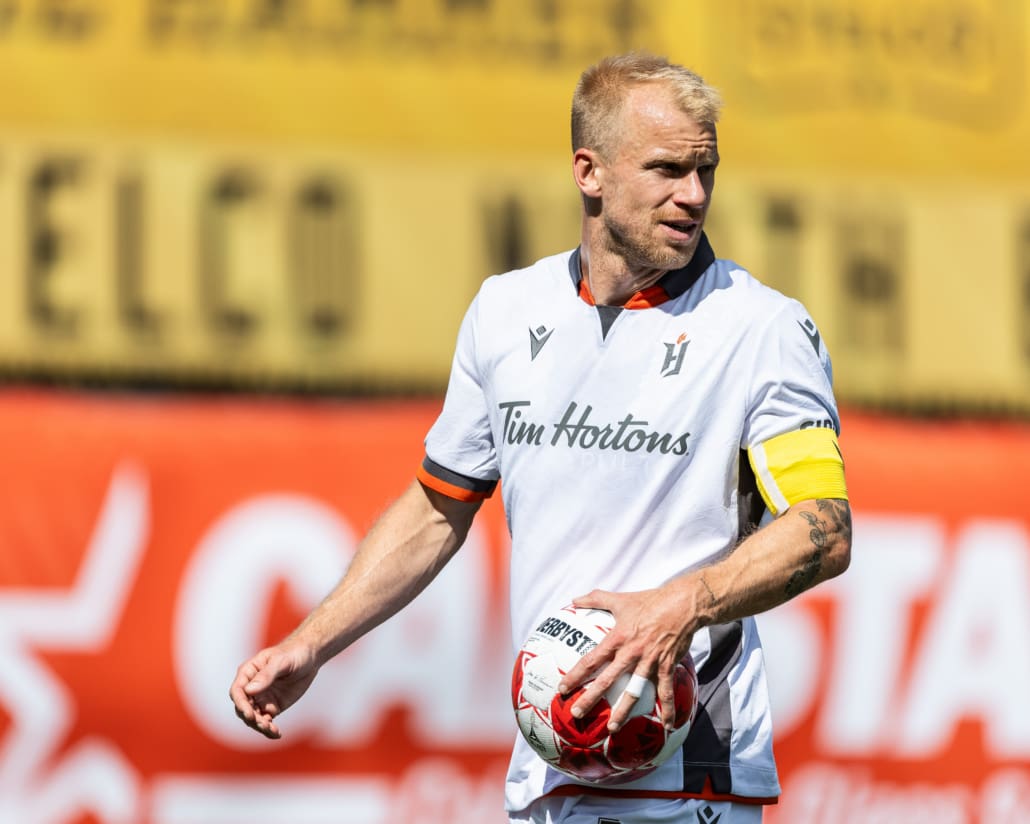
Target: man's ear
588, 170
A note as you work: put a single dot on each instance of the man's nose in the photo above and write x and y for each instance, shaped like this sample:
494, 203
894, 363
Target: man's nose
691, 191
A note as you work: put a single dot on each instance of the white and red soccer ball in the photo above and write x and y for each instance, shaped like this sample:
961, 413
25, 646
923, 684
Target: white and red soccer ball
583, 748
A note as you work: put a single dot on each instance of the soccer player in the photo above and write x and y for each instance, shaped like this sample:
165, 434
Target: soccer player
645, 404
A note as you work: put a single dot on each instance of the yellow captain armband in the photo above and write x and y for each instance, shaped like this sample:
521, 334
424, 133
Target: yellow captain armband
797, 466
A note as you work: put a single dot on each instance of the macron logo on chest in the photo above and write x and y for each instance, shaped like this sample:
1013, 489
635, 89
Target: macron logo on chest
537, 338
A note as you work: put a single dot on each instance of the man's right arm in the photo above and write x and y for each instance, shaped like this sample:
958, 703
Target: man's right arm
402, 553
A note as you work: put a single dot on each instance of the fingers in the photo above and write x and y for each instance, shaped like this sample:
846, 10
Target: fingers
603, 680
586, 667
258, 682
601, 654
259, 717
636, 687
256, 710
667, 698
644, 647
607, 669
622, 691
597, 599
260, 721
591, 694
604, 664
238, 694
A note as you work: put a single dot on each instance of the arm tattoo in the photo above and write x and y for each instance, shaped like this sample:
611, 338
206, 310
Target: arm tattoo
836, 521
839, 514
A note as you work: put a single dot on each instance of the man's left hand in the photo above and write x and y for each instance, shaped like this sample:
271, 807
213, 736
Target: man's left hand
650, 637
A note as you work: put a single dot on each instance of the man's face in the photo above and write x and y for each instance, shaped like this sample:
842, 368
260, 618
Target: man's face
657, 181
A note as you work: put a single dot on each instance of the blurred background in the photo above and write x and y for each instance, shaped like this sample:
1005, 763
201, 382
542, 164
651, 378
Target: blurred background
237, 238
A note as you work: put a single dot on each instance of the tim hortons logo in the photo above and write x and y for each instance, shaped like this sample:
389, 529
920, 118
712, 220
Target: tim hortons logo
577, 429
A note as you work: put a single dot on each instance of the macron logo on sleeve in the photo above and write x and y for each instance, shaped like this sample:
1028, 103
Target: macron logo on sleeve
808, 327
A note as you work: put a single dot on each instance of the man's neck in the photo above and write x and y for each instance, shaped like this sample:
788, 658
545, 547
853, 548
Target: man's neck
611, 280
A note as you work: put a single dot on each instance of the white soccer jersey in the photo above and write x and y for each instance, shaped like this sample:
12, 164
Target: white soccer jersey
621, 439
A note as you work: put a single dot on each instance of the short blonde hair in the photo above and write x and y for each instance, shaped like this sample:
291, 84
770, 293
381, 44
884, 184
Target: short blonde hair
597, 102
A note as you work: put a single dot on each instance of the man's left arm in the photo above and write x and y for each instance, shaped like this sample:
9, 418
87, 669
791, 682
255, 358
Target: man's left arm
807, 544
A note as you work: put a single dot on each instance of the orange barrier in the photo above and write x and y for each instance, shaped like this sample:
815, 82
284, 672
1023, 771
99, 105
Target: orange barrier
148, 544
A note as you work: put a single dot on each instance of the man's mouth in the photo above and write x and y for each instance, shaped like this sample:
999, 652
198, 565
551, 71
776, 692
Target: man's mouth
682, 227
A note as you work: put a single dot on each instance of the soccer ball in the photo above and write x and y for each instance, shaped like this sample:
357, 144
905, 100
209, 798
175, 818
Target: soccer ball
582, 747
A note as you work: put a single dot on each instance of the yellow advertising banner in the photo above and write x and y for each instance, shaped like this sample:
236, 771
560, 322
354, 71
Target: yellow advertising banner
921, 88
307, 192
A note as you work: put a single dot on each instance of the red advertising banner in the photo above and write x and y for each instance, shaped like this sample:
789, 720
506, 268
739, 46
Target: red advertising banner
149, 544
900, 688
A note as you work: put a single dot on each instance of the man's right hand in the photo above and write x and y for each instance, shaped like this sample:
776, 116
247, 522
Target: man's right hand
402, 553
269, 683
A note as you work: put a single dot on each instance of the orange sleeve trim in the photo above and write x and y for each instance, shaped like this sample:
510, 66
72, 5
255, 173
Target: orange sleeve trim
449, 489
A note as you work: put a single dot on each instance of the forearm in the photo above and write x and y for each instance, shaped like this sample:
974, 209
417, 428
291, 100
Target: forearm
808, 544
400, 555
654, 628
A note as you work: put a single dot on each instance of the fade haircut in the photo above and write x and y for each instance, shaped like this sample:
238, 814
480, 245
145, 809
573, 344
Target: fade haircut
601, 91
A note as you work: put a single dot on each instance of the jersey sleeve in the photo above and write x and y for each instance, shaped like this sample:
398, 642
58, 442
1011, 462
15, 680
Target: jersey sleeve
461, 460
792, 422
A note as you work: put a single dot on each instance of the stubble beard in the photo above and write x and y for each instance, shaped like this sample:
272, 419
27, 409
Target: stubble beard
641, 251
